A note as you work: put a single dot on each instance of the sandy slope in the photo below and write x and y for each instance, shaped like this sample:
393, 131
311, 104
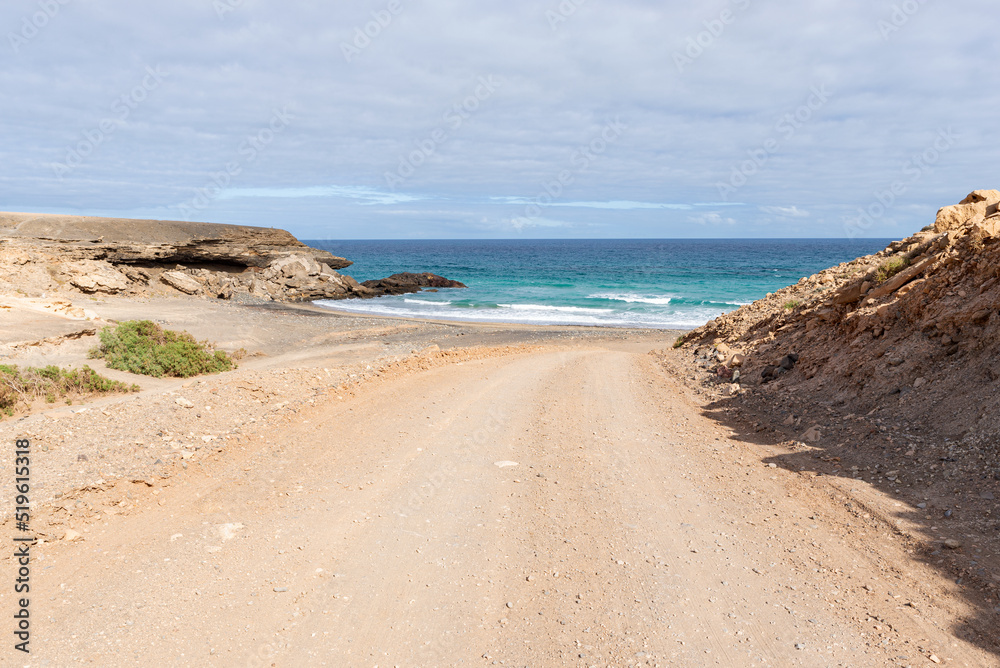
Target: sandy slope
378, 529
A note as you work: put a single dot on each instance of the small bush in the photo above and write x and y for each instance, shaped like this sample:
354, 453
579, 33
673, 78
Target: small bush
680, 341
792, 304
143, 347
891, 267
22, 386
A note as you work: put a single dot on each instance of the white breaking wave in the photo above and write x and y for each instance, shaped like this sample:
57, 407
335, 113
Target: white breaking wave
529, 314
425, 301
632, 298
561, 309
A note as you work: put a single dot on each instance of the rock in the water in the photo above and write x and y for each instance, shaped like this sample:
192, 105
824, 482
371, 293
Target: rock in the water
406, 282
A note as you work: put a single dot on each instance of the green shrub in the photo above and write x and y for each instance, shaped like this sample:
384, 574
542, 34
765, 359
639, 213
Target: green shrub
22, 386
792, 304
680, 341
891, 267
143, 347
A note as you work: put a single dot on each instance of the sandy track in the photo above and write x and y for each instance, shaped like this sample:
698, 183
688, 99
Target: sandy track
379, 530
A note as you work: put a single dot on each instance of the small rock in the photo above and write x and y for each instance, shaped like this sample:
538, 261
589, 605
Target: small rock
281, 589
81, 458
921, 505
812, 435
184, 403
788, 362
504, 464
800, 645
952, 544
71, 535
933, 658
986, 495
510, 604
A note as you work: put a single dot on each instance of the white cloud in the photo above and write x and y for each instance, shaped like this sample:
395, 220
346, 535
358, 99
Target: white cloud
712, 218
414, 97
363, 195
785, 211
521, 223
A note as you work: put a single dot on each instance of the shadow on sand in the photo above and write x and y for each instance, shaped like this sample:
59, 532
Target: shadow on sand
936, 500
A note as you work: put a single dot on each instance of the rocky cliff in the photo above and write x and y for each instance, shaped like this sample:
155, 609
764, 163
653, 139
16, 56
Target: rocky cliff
50, 254
910, 331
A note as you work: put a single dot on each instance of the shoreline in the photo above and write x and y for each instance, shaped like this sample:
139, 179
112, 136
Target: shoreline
494, 323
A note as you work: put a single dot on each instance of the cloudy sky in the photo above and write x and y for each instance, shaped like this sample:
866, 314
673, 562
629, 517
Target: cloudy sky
447, 119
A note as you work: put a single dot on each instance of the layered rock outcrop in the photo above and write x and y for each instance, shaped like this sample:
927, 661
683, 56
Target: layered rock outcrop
45, 254
124, 241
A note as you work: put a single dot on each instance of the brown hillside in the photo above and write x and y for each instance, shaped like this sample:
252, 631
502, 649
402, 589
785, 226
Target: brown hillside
911, 331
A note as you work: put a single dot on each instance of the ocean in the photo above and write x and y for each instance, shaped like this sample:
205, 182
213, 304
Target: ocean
653, 283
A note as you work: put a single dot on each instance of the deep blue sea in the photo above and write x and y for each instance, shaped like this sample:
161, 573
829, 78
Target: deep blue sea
613, 283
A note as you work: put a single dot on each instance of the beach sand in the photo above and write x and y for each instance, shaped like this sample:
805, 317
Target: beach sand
370, 491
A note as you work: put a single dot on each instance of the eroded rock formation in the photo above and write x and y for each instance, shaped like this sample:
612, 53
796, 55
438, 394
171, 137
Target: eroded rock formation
46, 254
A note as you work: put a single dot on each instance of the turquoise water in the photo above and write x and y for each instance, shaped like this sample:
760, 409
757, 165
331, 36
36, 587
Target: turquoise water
613, 283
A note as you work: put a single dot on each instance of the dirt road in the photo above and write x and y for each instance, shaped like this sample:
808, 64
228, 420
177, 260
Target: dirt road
566, 507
